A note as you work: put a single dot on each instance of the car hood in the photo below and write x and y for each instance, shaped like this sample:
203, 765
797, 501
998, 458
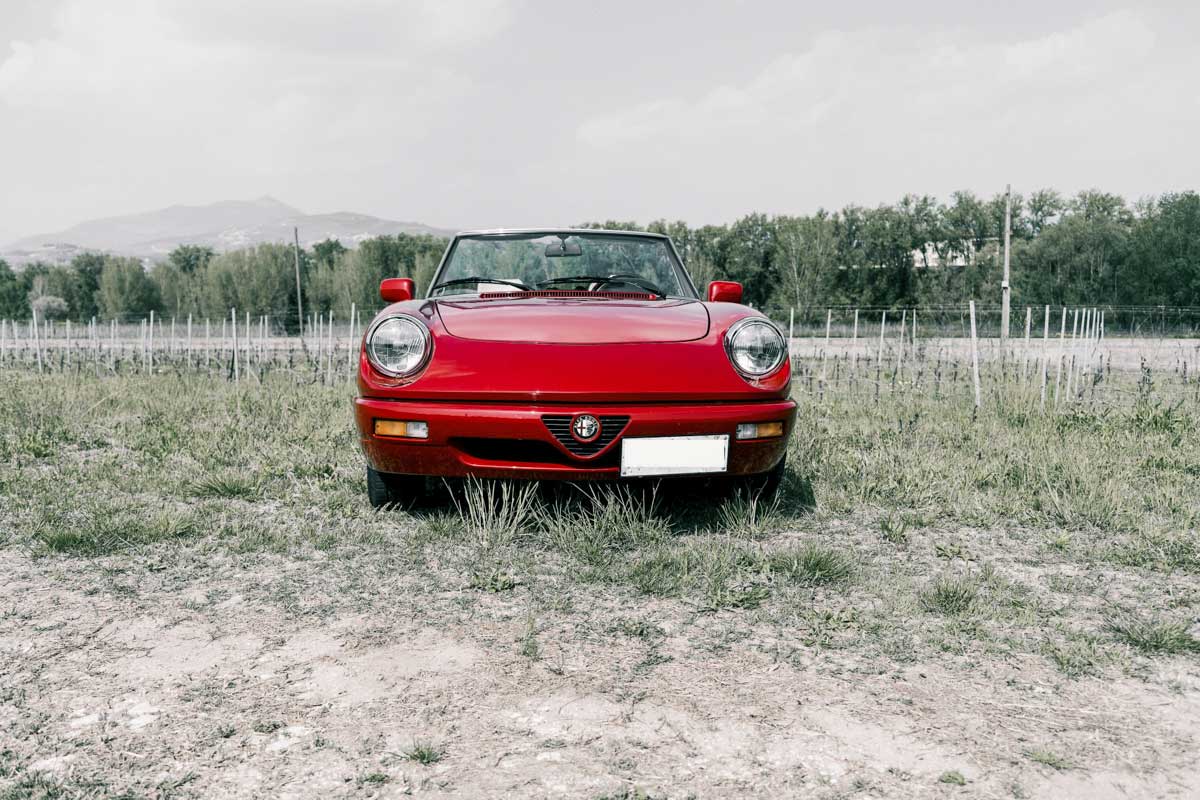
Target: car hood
589, 320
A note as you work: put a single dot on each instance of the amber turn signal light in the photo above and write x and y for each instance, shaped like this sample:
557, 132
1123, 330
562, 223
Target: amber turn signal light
402, 429
759, 430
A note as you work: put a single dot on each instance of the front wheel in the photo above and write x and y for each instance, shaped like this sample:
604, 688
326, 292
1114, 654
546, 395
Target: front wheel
384, 489
764, 486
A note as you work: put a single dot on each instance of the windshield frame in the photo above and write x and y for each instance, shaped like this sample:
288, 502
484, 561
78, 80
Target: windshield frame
684, 279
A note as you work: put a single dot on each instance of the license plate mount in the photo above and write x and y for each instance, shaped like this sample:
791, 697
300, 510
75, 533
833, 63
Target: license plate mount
674, 455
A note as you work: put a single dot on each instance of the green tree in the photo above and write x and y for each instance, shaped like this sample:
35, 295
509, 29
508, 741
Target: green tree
749, 257
1163, 264
258, 280
14, 303
83, 284
126, 290
806, 250
328, 252
190, 259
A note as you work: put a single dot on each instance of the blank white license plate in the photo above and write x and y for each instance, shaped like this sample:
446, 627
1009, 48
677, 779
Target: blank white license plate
674, 455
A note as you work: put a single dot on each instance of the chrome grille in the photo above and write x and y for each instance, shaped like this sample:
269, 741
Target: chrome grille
559, 426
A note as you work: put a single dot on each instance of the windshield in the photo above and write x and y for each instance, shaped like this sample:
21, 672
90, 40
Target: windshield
576, 262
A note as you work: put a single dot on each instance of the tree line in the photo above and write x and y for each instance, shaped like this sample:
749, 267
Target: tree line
1093, 248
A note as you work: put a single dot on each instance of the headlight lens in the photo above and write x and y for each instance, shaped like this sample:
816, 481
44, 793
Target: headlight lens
755, 347
398, 346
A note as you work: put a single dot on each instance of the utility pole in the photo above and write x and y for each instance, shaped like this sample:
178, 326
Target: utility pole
1005, 289
300, 303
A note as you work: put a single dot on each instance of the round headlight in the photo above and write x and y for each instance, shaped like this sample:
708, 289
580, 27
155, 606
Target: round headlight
755, 347
398, 346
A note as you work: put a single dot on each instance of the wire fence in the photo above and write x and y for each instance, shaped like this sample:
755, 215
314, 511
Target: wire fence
1051, 357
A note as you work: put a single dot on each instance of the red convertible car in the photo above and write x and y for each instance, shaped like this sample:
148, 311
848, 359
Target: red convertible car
569, 355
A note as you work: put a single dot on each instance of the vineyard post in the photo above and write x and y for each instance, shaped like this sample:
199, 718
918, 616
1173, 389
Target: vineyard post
320, 328
1025, 350
329, 351
974, 356
1062, 354
151, 341
171, 342
4, 339
189, 341
207, 342
854, 342
791, 329
913, 360
900, 349
112, 344
299, 299
1045, 354
68, 343
350, 343
825, 354
882, 328
37, 341
1005, 289
246, 335
1074, 346
233, 327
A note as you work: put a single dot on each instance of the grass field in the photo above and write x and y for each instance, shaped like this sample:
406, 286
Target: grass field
199, 602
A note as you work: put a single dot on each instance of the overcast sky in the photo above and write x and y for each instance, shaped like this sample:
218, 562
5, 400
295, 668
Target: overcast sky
515, 112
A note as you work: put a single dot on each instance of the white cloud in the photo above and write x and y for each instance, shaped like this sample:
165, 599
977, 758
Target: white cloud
915, 110
507, 112
130, 99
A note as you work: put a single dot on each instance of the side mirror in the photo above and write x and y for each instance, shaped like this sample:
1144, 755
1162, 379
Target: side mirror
397, 290
724, 292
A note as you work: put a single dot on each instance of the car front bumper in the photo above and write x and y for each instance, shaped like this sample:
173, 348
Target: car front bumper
496, 440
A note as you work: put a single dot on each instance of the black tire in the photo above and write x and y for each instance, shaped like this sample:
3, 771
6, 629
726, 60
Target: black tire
765, 485
393, 490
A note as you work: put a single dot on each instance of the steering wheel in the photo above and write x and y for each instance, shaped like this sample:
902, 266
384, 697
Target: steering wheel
616, 277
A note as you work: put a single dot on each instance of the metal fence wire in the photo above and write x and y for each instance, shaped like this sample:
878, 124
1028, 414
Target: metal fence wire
1052, 355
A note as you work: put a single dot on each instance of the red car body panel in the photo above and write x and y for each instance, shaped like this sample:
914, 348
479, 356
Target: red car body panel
559, 321
499, 364
459, 434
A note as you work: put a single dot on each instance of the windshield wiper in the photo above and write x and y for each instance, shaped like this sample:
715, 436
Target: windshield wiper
480, 279
632, 280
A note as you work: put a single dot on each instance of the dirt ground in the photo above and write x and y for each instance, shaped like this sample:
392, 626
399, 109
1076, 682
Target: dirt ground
946, 603
218, 676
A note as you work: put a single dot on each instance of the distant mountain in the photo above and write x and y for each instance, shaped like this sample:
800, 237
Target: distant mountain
222, 226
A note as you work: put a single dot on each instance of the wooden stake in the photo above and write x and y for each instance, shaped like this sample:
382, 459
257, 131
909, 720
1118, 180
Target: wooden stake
1005, 290
975, 356
882, 328
1045, 354
299, 298
36, 338
1025, 351
351, 340
825, 354
1074, 348
854, 343
233, 326
329, 350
